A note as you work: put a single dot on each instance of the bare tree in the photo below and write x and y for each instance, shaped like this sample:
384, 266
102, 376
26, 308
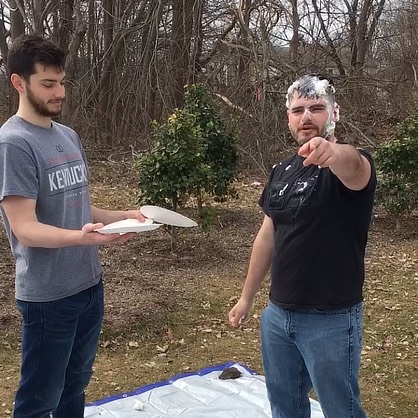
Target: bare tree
182, 29
3, 34
128, 61
80, 29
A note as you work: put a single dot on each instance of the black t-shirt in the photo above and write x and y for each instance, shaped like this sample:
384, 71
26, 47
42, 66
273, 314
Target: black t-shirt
320, 231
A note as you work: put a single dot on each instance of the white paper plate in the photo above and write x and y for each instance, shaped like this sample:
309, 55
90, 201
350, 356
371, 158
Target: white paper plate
128, 225
166, 216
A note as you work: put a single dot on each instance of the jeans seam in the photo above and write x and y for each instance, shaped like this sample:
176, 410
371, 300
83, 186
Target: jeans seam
41, 333
38, 306
358, 322
300, 384
350, 366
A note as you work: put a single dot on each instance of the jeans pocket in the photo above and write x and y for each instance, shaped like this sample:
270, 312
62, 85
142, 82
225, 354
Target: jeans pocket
32, 312
23, 308
98, 297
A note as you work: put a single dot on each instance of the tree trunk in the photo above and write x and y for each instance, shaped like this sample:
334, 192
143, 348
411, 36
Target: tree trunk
17, 26
71, 62
117, 52
180, 48
173, 229
294, 42
3, 33
106, 89
37, 17
148, 76
65, 24
244, 59
331, 46
197, 41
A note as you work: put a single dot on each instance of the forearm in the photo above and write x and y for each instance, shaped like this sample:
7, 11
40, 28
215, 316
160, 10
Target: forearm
259, 266
347, 161
108, 216
350, 166
36, 234
27, 229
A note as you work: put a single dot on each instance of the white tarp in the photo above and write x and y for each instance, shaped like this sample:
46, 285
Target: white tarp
197, 395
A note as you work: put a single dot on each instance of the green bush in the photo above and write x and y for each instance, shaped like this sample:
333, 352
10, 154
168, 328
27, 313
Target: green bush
221, 149
194, 155
175, 168
397, 164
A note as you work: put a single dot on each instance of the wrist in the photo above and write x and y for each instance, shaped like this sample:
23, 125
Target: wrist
247, 299
78, 237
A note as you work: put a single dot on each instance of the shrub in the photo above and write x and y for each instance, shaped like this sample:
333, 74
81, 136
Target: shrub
194, 154
398, 170
221, 150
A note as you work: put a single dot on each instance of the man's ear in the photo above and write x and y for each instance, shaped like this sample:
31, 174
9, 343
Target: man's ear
18, 82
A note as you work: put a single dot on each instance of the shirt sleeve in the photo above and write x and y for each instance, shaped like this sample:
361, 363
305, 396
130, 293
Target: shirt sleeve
373, 177
18, 173
263, 201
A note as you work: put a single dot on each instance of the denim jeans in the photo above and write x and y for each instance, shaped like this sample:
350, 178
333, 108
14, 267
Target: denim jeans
59, 344
319, 349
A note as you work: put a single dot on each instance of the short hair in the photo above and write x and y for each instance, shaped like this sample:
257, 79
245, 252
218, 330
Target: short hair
312, 86
28, 50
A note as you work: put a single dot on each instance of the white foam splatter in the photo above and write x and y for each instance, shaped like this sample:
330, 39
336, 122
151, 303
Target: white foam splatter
313, 86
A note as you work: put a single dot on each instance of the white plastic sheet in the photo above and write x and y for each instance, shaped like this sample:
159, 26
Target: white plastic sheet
197, 395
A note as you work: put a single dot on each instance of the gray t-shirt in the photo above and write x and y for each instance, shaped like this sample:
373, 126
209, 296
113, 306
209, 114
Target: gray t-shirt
49, 166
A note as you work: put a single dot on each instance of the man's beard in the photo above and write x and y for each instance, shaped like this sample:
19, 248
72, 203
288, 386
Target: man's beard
303, 139
41, 108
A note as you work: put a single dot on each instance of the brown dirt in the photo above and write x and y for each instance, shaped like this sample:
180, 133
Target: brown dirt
165, 312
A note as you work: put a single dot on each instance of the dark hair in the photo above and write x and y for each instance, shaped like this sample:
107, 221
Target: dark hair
28, 50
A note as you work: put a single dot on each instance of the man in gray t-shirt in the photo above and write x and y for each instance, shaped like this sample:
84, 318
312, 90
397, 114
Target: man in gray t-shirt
50, 224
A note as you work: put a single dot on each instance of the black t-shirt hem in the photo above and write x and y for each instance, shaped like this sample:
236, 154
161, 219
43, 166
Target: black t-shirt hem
316, 306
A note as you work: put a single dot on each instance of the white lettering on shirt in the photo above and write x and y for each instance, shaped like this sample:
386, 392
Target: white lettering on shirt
64, 178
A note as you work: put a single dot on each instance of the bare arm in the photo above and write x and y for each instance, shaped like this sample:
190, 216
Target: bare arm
23, 221
352, 168
344, 160
108, 216
260, 262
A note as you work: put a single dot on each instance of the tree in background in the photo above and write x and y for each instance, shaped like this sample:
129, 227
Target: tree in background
195, 155
128, 61
398, 171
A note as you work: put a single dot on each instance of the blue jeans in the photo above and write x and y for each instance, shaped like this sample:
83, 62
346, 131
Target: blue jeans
59, 344
319, 349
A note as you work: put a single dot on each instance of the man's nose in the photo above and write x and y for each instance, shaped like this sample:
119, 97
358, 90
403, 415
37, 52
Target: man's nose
60, 91
307, 116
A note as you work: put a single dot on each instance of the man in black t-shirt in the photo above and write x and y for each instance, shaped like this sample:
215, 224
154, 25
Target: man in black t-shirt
317, 207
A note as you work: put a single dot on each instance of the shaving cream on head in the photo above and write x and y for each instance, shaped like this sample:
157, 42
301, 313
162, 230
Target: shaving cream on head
311, 87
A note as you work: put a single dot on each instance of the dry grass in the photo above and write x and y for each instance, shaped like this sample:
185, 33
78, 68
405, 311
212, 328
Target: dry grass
165, 313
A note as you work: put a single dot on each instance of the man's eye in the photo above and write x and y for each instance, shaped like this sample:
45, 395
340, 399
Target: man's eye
48, 86
317, 109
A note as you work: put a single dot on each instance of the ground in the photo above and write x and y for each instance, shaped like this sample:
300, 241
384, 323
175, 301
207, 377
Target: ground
166, 312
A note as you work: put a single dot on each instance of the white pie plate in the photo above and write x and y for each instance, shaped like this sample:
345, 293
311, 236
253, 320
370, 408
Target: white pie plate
129, 225
166, 216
